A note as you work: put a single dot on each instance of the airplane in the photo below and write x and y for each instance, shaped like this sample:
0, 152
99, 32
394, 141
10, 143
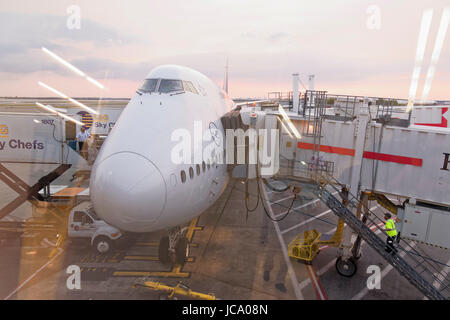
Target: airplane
135, 186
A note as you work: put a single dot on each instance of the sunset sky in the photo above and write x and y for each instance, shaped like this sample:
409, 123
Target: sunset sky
119, 42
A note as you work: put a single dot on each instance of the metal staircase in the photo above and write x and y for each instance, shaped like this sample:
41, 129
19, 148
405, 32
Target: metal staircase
421, 280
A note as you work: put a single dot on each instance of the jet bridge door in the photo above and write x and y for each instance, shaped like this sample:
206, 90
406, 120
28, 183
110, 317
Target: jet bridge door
415, 224
439, 229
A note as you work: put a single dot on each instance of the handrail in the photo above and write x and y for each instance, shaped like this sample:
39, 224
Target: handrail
374, 219
323, 181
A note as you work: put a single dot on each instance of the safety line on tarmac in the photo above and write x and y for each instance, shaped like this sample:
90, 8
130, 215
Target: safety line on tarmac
192, 228
306, 282
114, 257
175, 272
320, 292
305, 222
33, 275
297, 291
281, 200
150, 258
156, 244
299, 207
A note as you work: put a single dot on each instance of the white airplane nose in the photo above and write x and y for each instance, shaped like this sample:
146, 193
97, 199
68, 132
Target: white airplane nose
128, 191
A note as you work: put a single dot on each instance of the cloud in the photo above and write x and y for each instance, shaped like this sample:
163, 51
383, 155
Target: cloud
277, 36
23, 35
27, 62
34, 31
116, 70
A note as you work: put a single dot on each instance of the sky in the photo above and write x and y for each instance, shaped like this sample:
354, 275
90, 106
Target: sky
357, 47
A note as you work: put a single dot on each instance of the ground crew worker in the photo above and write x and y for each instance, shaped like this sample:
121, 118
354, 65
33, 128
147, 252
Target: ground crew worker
81, 138
391, 233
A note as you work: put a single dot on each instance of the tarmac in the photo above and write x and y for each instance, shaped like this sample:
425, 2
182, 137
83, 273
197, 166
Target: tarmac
233, 255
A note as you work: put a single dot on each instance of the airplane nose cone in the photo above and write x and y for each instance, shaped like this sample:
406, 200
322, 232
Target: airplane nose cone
128, 191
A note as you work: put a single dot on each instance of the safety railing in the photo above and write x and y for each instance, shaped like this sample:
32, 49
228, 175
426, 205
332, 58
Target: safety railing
420, 270
344, 106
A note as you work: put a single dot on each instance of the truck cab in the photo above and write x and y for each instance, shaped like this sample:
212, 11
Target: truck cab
85, 224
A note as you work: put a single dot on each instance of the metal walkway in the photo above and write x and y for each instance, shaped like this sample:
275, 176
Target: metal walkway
429, 281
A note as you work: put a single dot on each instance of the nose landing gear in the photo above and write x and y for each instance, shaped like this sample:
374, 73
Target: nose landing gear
174, 249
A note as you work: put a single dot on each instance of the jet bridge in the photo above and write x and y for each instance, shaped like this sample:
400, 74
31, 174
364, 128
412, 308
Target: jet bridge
372, 154
369, 151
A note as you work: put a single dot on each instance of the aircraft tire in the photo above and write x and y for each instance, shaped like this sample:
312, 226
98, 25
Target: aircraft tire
164, 250
181, 251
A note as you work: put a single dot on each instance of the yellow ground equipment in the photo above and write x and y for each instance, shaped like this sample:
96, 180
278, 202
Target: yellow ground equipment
180, 289
305, 248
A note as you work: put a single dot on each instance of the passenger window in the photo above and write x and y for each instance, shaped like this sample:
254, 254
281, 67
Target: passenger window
149, 86
198, 169
183, 176
167, 86
191, 173
203, 166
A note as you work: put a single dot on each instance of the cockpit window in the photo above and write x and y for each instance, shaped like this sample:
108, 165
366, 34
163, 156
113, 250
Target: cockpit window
167, 86
149, 86
188, 86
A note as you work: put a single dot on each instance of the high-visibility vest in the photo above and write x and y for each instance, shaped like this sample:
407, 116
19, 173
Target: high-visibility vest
391, 225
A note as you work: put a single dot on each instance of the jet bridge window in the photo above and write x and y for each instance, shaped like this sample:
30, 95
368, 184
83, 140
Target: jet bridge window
149, 86
167, 86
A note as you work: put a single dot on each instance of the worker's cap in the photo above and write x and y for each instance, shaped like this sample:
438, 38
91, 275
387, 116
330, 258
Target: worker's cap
387, 215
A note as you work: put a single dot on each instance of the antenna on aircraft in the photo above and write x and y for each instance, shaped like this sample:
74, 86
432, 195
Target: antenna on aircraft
225, 83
